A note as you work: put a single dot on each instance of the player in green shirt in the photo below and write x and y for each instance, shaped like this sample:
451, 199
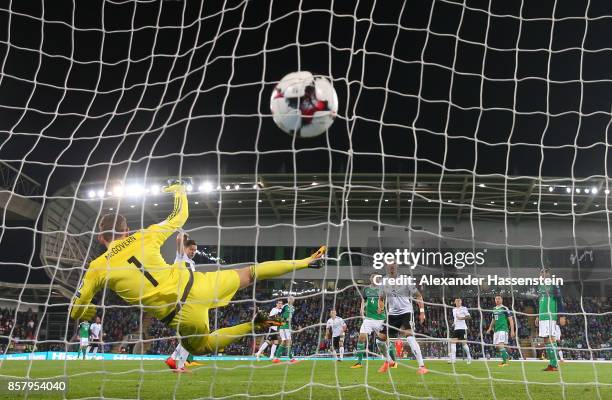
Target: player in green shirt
374, 316
500, 324
284, 331
83, 332
550, 304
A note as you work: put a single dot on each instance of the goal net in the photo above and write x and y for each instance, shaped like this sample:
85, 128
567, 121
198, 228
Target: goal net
470, 147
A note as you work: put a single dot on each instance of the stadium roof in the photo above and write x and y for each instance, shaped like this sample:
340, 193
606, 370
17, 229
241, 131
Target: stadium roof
288, 197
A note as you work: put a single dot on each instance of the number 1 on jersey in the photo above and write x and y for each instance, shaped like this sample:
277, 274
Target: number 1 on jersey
138, 264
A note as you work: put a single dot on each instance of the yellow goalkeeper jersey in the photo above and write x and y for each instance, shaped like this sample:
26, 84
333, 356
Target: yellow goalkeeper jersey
134, 268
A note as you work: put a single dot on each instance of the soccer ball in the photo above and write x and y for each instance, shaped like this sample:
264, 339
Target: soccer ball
304, 104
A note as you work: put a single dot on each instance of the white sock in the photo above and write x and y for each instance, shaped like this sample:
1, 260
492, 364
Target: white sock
561, 355
273, 350
181, 357
416, 350
87, 350
341, 352
176, 351
95, 350
453, 351
466, 348
263, 346
334, 354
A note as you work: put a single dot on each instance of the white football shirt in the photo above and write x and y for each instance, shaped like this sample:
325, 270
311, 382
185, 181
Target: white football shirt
399, 298
460, 312
274, 312
189, 261
95, 330
337, 326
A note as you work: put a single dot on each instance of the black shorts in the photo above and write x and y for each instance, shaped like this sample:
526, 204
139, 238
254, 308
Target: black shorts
271, 335
94, 345
460, 334
336, 342
399, 322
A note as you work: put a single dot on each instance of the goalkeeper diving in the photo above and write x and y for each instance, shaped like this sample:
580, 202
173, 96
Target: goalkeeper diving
135, 270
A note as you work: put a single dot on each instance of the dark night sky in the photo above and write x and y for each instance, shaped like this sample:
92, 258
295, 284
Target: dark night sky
169, 87
78, 114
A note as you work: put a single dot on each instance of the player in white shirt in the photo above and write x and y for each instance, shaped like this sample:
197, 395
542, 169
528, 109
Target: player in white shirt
95, 335
186, 249
336, 327
272, 335
400, 315
460, 315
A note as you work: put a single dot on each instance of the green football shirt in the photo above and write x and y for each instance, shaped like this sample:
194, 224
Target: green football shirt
501, 315
549, 297
84, 329
287, 315
371, 295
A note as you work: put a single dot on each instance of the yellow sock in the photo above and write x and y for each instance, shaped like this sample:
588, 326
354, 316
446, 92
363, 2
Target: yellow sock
222, 337
272, 269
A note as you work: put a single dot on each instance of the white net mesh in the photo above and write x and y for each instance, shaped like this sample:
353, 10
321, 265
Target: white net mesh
463, 127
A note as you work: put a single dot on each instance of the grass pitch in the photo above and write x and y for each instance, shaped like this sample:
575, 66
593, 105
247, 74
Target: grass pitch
321, 379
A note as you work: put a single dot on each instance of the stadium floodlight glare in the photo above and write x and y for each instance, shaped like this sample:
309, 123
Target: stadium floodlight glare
314, 183
594, 190
512, 202
206, 187
587, 190
135, 190
189, 188
578, 190
555, 203
118, 190
155, 204
236, 187
155, 189
196, 202
607, 191
481, 185
551, 189
100, 193
255, 186
91, 194
568, 190
227, 187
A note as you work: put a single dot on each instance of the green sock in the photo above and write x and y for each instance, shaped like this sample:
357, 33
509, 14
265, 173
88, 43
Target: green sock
279, 351
190, 358
360, 351
504, 355
382, 346
551, 350
290, 352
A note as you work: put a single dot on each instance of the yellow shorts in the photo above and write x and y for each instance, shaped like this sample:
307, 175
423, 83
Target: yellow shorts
210, 290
